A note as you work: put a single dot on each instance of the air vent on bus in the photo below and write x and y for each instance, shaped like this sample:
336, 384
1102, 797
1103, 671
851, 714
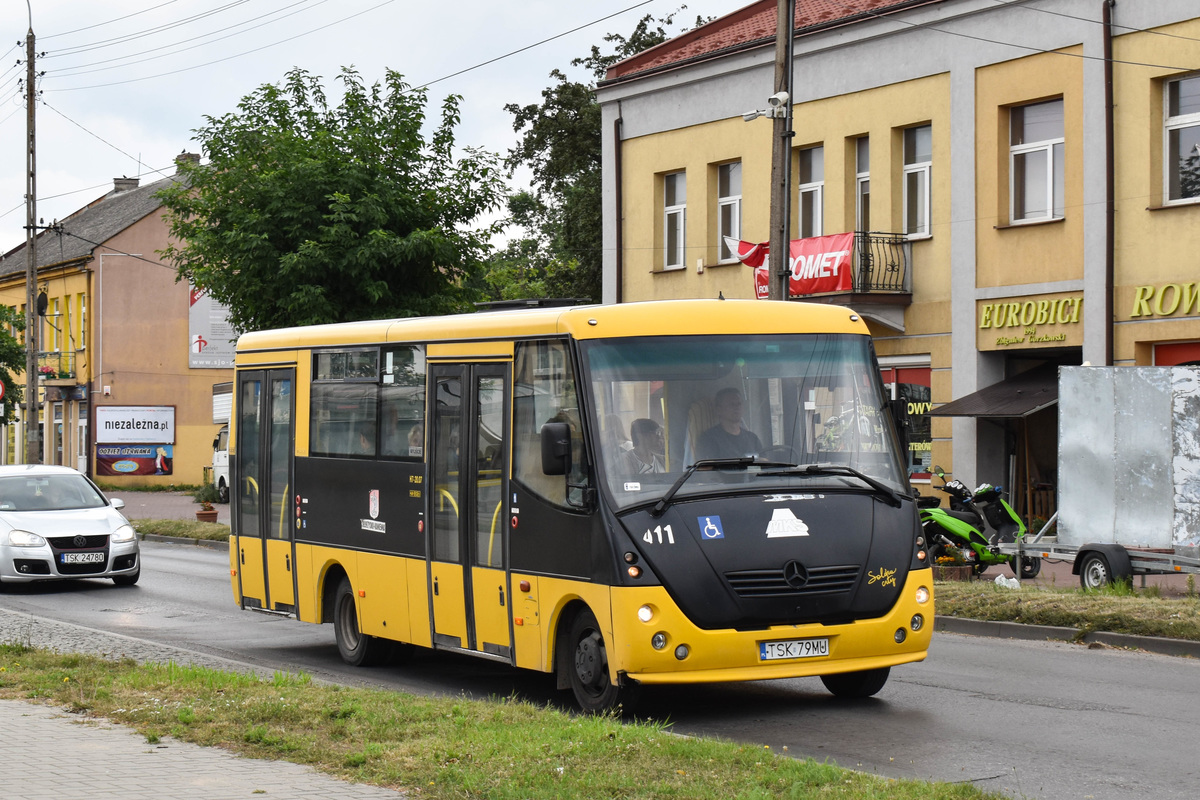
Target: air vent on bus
774, 582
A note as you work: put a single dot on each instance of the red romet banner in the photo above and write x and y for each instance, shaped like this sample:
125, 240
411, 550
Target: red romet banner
821, 264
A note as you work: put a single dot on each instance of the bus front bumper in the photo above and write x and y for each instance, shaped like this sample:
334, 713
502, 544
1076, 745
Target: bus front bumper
668, 648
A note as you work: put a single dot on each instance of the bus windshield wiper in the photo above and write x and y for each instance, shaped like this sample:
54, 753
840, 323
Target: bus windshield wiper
888, 493
710, 463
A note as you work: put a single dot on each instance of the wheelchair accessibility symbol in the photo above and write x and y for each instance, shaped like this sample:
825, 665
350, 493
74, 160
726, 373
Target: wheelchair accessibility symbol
710, 527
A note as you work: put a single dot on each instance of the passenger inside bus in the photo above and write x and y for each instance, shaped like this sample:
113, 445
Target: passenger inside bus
648, 451
728, 438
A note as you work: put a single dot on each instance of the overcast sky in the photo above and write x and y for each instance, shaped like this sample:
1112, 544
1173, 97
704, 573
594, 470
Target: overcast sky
127, 81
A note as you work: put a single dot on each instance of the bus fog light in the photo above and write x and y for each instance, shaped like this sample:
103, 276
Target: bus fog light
917, 622
900, 635
635, 572
922, 595
920, 555
658, 641
682, 652
645, 613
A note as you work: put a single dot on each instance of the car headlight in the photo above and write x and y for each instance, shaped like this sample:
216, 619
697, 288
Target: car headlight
125, 533
25, 539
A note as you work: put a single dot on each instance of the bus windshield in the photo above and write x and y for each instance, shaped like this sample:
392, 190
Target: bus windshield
751, 404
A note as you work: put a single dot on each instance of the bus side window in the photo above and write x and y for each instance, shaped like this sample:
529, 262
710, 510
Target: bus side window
544, 390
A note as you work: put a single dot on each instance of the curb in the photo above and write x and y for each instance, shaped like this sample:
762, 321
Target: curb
1043, 633
212, 544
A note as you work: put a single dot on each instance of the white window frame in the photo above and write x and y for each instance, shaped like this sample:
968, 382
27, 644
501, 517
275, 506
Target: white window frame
862, 184
733, 203
53, 319
923, 170
83, 320
1054, 164
815, 189
1172, 124
675, 214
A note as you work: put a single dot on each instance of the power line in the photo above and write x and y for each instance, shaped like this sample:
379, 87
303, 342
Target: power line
1129, 28
84, 48
81, 69
111, 21
531, 46
229, 58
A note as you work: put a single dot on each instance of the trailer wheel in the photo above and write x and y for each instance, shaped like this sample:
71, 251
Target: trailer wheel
1094, 571
1031, 567
856, 684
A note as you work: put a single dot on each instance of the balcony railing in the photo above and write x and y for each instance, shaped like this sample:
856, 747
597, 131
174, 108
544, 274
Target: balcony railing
54, 365
881, 262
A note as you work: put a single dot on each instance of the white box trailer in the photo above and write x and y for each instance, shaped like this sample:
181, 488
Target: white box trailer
222, 405
1128, 473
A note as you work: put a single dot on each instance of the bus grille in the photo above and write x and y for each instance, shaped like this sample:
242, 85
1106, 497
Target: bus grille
771, 582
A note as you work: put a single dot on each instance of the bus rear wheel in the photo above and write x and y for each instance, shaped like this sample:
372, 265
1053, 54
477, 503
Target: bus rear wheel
356, 648
856, 684
586, 668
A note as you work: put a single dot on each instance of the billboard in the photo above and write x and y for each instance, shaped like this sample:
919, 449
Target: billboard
135, 424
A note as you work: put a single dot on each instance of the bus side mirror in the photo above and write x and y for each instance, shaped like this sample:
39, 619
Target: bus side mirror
556, 448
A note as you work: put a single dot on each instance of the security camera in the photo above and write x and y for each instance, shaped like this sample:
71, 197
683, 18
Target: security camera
778, 100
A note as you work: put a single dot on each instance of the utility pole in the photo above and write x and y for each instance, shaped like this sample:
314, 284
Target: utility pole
781, 154
33, 450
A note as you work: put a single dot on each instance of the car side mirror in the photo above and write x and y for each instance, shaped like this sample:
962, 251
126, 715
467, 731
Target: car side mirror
117, 503
556, 448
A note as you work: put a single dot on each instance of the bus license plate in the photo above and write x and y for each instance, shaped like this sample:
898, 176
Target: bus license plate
793, 648
82, 558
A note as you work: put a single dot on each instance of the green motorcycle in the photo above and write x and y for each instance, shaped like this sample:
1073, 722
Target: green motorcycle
975, 523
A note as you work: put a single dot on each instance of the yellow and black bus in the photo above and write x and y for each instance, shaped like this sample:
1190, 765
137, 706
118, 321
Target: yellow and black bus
620, 495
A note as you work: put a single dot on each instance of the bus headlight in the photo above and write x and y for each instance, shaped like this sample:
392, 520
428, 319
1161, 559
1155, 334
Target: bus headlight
658, 641
917, 622
645, 613
922, 595
682, 652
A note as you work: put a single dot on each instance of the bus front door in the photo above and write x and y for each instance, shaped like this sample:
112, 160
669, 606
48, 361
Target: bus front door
468, 553
265, 536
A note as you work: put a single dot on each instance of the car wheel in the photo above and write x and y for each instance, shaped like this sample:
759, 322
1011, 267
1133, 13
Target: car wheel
127, 580
586, 667
356, 648
856, 684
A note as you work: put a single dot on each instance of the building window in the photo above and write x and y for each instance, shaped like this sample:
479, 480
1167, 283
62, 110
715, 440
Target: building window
862, 183
918, 162
1036, 169
674, 218
54, 319
82, 314
811, 191
1182, 163
729, 208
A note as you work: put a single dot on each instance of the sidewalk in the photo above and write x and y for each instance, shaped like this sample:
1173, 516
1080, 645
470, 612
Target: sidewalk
48, 754
164, 505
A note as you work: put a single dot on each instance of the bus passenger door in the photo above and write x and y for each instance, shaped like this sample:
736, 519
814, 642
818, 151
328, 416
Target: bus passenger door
471, 609
265, 556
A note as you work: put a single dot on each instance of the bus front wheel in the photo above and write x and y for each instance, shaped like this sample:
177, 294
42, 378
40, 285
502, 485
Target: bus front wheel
586, 665
856, 684
356, 648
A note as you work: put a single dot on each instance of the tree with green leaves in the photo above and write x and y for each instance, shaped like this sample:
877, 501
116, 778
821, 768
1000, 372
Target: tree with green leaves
12, 361
560, 253
308, 213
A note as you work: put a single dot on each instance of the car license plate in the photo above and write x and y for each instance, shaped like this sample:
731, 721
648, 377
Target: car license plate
82, 558
793, 648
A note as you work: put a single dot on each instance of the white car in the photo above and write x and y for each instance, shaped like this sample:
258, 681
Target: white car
55, 525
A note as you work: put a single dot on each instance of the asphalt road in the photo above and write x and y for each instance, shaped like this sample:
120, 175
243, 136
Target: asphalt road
1030, 719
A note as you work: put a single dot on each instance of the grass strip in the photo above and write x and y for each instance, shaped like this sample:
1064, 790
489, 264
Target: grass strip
182, 529
432, 747
1118, 608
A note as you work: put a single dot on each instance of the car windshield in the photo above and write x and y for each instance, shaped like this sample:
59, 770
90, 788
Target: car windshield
665, 403
48, 493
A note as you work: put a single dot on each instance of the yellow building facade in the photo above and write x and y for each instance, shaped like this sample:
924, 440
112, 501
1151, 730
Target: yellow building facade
1032, 174
126, 365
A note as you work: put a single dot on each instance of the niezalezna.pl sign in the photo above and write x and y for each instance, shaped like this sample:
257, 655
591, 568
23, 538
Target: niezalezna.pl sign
135, 424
